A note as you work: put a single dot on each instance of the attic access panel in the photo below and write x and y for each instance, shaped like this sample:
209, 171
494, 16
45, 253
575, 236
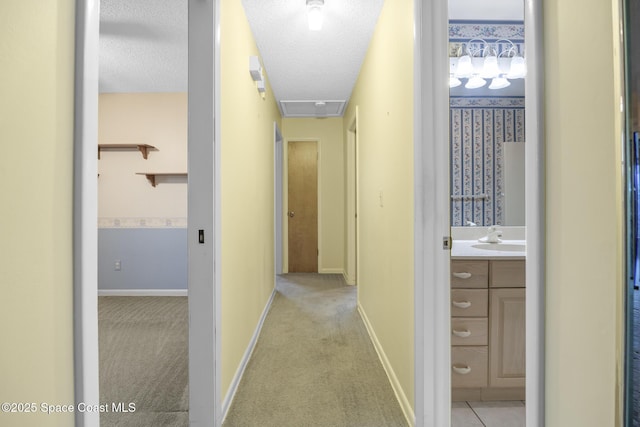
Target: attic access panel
312, 108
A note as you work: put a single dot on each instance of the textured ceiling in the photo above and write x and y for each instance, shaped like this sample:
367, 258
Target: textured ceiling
312, 65
143, 44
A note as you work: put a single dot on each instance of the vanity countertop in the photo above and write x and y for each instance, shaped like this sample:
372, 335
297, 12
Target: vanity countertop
472, 249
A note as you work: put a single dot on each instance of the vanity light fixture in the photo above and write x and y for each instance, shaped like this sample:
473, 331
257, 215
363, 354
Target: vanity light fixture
477, 60
314, 14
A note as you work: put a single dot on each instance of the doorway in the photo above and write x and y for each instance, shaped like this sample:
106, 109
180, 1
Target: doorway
302, 202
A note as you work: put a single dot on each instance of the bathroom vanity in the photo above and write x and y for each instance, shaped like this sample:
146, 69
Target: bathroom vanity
488, 320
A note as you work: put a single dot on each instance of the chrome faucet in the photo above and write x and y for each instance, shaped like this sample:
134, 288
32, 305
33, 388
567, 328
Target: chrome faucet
493, 235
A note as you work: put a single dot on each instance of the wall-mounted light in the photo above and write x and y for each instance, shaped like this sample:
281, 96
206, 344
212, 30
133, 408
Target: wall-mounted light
478, 60
314, 14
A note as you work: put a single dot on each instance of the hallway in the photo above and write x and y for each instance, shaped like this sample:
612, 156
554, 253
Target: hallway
314, 363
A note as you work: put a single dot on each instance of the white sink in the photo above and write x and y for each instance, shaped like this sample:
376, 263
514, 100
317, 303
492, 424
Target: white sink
502, 247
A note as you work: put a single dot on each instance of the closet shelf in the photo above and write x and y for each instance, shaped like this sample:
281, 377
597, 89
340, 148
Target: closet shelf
143, 148
152, 176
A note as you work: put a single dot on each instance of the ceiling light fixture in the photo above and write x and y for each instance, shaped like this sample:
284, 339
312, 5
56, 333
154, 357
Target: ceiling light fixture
478, 59
314, 14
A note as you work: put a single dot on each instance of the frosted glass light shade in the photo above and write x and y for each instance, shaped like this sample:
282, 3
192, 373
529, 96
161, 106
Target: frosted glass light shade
499, 83
475, 82
454, 81
314, 15
518, 68
464, 68
490, 68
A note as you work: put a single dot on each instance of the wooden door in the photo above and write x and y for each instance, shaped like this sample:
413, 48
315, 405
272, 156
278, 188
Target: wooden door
303, 206
507, 338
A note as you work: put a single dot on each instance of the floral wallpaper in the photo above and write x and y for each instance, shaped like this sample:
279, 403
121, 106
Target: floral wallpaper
479, 126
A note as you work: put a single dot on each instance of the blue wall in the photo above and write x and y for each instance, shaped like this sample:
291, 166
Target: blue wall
151, 258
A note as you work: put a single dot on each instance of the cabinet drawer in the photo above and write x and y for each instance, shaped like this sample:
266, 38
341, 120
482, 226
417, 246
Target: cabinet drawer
469, 302
469, 366
469, 274
469, 331
508, 274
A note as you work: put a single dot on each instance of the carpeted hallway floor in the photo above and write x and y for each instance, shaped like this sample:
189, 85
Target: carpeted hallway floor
314, 363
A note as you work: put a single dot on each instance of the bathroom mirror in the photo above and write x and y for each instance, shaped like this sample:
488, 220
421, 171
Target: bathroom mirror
487, 113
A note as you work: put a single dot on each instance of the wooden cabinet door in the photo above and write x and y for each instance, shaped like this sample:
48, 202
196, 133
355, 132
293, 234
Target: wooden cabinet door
507, 338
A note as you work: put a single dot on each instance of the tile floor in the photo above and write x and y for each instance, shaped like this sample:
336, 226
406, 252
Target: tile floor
488, 414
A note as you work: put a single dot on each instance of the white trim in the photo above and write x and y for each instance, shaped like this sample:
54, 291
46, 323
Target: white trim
405, 404
350, 201
348, 280
235, 382
278, 214
431, 215
204, 213
331, 271
142, 292
535, 213
85, 212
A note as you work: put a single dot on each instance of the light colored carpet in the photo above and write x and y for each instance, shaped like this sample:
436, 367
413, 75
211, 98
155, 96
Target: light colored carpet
144, 359
314, 363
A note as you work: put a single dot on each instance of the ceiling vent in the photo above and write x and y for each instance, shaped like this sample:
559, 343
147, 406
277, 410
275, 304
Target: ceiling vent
312, 108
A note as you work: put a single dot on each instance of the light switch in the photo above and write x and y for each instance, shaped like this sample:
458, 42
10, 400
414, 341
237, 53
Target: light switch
380, 196
117, 265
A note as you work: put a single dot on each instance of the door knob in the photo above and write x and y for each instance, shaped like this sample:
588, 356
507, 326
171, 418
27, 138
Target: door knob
291, 214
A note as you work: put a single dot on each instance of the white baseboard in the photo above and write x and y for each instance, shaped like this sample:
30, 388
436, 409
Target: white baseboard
226, 403
142, 292
348, 279
330, 271
393, 379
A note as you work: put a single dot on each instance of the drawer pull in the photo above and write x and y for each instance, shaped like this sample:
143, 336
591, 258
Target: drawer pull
461, 304
462, 334
463, 370
462, 275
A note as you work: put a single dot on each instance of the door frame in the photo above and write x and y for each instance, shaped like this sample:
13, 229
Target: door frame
351, 224
278, 214
85, 212
285, 199
431, 214
204, 212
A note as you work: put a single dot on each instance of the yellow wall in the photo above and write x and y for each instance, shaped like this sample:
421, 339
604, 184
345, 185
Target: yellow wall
384, 96
329, 134
583, 214
247, 179
158, 119
36, 170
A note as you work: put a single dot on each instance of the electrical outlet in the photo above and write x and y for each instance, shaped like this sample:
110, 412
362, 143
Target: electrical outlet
117, 265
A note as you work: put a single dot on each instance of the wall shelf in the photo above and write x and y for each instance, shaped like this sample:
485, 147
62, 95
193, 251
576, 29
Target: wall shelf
152, 176
143, 148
